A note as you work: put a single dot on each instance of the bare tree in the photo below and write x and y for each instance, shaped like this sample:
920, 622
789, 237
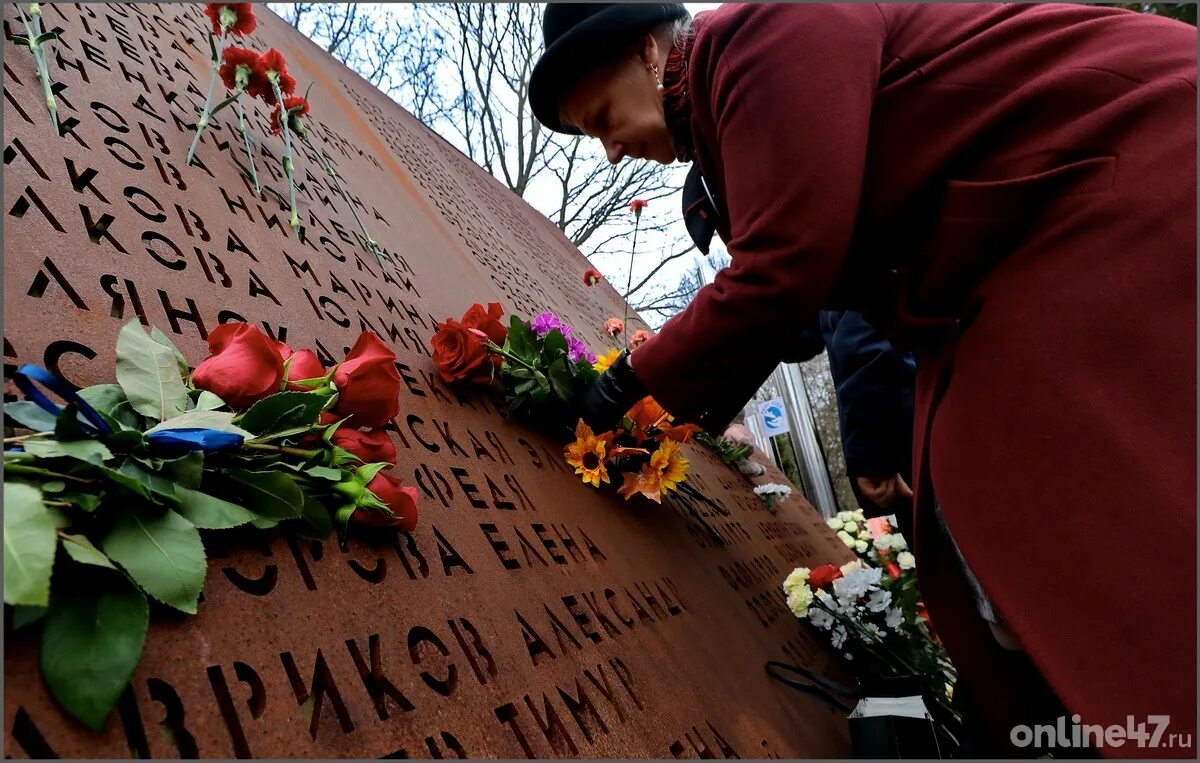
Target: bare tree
394, 46
493, 47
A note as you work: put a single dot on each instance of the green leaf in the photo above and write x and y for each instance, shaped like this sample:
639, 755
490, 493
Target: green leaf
343, 517
268, 494
30, 416
367, 472
82, 551
126, 416
125, 440
92, 451
562, 384
325, 473
163, 554
165, 341
262, 523
521, 340
221, 420
91, 644
554, 345
54, 486
284, 410
145, 483
68, 425
29, 543
207, 401
103, 397
87, 501
149, 374
208, 512
186, 470
44, 37
315, 522
342, 456
25, 615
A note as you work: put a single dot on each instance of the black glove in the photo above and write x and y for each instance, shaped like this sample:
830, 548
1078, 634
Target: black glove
607, 399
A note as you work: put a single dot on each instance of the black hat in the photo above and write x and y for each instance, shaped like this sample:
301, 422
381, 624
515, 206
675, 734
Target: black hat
574, 34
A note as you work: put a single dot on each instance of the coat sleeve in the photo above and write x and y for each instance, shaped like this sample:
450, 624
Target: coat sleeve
788, 89
874, 383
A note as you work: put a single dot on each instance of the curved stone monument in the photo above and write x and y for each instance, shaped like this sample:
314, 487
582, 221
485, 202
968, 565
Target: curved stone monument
528, 615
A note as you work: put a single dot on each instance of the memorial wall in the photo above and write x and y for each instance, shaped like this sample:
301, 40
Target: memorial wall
528, 615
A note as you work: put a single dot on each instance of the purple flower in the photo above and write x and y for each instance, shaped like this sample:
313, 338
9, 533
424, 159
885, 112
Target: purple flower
576, 350
546, 322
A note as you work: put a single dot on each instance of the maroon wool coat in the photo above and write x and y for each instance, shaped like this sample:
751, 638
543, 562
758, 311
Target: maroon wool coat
1009, 190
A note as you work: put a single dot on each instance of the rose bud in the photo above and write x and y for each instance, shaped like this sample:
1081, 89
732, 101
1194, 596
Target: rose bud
304, 365
368, 383
402, 500
245, 365
372, 447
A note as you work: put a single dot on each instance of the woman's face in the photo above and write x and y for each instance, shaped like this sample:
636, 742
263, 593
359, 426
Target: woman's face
620, 104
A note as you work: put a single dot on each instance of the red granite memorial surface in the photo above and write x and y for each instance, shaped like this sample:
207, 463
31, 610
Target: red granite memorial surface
527, 615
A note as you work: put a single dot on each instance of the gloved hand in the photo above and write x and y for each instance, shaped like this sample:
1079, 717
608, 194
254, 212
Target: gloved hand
608, 398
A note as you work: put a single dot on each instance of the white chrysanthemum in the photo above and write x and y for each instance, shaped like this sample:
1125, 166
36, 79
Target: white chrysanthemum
894, 618
906, 560
879, 600
820, 618
845, 516
851, 528
883, 542
864, 535
797, 579
849, 567
845, 538
837, 637
834, 523
857, 582
897, 542
799, 600
874, 630
860, 546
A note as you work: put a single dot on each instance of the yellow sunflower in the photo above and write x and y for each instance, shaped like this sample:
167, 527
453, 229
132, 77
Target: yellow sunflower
669, 465
607, 359
586, 454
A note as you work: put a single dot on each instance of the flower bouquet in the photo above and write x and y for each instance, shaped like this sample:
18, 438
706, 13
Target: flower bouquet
870, 608
544, 370
771, 493
105, 498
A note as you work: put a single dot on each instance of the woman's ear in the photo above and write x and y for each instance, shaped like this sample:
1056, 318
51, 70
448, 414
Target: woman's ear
648, 50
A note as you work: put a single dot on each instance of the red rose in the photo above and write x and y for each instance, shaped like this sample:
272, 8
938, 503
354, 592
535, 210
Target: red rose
823, 576
368, 383
591, 277
371, 447
304, 365
893, 569
400, 499
293, 122
460, 356
233, 58
487, 321
260, 84
614, 326
639, 338
241, 20
245, 365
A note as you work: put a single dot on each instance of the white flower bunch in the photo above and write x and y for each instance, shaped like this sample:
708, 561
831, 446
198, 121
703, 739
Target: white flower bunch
772, 492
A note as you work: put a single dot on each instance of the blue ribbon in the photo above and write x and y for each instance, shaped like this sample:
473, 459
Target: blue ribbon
28, 376
189, 439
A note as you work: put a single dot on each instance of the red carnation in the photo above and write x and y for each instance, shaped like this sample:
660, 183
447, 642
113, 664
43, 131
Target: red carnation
234, 59
591, 277
260, 82
639, 338
637, 205
293, 119
614, 326
823, 576
238, 18
893, 569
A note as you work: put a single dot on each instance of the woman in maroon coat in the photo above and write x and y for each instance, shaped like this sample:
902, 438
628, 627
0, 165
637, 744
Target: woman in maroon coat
1010, 191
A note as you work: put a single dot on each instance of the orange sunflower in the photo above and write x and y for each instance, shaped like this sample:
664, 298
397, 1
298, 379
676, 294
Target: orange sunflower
647, 414
667, 468
587, 454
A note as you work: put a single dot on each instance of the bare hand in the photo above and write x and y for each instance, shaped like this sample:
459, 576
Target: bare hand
883, 491
740, 434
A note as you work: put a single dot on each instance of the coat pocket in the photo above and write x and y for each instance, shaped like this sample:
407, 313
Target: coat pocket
1029, 194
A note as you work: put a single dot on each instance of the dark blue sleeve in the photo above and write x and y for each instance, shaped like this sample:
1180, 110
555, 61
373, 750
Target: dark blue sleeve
874, 383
